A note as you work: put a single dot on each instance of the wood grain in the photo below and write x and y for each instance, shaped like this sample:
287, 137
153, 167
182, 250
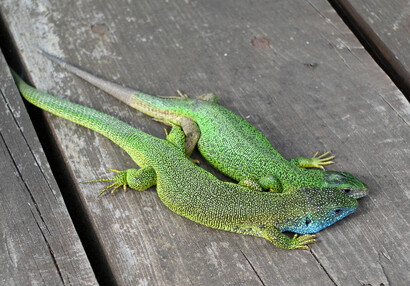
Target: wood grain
38, 242
385, 28
310, 86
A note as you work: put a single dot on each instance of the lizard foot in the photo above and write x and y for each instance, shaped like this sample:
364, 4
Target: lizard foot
195, 161
118, 181
300, 242
314, 162
209, 97
180, 96
322, 160
139, 180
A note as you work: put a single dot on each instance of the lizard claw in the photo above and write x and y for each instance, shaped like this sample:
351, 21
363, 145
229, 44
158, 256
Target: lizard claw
118, 181
314, 162
322, 160
182, 95
300, 242
195, 161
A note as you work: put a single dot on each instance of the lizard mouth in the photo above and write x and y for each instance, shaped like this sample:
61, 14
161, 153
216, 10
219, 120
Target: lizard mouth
356, 193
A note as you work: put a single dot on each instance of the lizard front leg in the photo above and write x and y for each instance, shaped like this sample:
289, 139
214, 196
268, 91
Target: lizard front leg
281, 240
314, 162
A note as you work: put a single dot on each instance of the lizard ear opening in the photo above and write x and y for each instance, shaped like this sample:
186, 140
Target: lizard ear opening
308, 221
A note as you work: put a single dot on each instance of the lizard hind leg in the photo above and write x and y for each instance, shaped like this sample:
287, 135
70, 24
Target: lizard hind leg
268, 183
190, 129
205, 97
209, 97
192, 134
250, 184
177, 138
139, 180
271, 183
180, 95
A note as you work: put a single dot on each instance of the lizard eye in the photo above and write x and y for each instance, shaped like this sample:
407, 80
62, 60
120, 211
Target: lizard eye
308, 221
346, 191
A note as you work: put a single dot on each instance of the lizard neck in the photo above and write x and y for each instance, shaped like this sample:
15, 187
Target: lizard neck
297, 177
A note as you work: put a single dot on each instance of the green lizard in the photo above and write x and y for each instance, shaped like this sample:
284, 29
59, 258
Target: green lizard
194, 193
228, 142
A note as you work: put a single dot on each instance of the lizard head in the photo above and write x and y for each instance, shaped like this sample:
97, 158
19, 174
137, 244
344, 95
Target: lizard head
317, 209
346, 183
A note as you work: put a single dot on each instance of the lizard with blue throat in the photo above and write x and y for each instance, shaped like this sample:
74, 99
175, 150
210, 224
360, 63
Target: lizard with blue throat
194, 193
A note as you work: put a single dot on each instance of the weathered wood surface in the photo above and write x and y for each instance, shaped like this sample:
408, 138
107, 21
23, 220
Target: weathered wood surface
39, 245
291, 68
386, 27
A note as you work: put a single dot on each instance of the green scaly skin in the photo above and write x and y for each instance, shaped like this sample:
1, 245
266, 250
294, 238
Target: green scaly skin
228, 142
194, 193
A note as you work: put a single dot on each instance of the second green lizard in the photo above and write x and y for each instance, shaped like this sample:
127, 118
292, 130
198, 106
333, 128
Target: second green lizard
228, 142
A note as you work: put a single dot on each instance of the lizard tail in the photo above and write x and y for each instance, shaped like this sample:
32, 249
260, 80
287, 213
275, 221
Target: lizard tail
112, 128
124, 94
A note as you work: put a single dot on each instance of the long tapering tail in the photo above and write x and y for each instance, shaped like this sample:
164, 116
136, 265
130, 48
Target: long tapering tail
120, 92
112, 128
157, 107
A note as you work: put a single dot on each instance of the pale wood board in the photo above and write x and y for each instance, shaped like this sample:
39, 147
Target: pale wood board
313, 88
391, 22
39, 245
385, 25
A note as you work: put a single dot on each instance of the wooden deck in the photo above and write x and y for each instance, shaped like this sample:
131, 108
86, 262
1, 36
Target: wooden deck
293, 69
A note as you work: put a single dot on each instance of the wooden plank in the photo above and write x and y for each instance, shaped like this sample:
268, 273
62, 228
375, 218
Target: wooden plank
39, 244
385, 27
292, 68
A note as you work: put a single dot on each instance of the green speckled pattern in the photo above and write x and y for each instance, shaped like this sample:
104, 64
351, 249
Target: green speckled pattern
239, 150
195, 194
227, 141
